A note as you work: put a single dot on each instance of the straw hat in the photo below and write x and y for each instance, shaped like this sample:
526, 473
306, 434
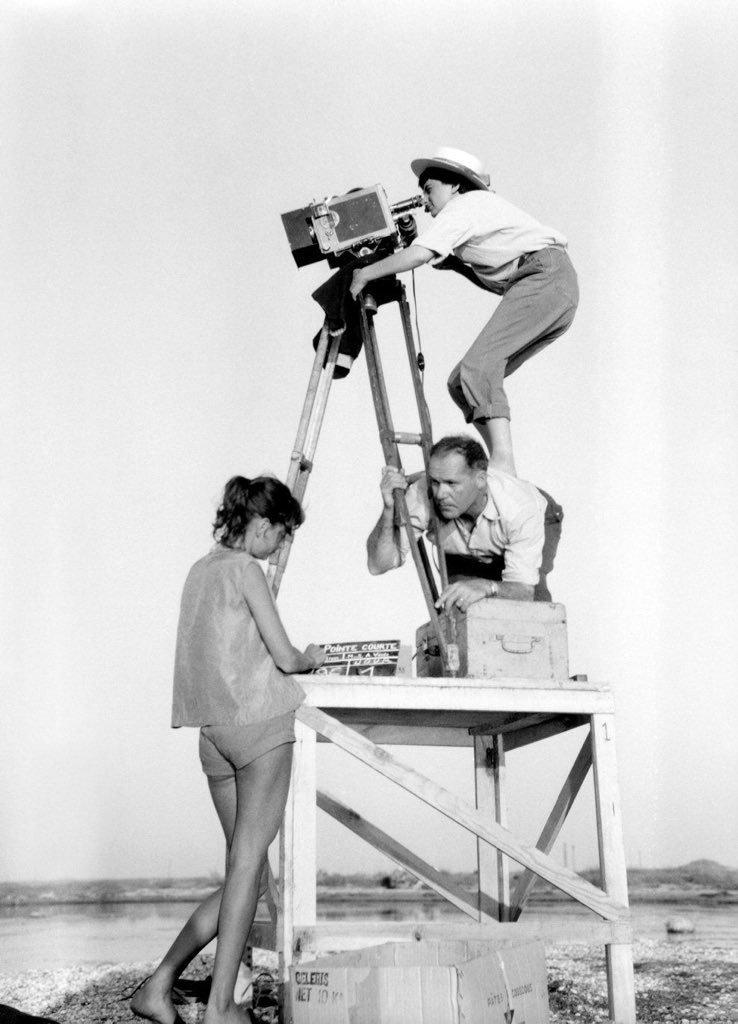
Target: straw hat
464, 164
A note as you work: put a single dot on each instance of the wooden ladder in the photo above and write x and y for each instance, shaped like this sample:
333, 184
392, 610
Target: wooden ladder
308, 432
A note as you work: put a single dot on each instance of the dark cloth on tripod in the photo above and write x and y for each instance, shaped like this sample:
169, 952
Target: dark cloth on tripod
342, 314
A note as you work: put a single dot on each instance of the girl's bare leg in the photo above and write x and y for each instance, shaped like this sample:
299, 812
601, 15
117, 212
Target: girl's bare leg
154, 999
498, 440
261, 794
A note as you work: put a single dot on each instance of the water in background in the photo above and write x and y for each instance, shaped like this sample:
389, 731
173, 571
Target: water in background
51, 937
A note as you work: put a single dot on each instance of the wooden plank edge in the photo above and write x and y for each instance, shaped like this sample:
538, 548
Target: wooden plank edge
452, 695
485, 682
328, 936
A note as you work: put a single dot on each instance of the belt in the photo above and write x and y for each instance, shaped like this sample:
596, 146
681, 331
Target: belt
526, 255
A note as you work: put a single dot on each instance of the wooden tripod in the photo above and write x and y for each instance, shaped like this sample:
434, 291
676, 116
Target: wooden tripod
308, 431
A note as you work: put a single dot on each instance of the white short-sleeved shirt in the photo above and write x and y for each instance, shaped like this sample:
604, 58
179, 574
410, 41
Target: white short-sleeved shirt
487, 233
511, 524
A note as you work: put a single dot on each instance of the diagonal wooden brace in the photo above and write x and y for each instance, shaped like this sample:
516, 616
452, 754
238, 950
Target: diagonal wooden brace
554, 823
384, 842
462, 813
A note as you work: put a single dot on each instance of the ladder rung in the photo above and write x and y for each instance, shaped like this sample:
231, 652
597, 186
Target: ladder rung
401, 438
305, 463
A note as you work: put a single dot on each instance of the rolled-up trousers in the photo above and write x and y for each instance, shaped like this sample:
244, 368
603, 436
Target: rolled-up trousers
538, 304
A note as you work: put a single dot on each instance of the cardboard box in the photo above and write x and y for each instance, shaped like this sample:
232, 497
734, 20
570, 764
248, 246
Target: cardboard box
497, 639
424, 983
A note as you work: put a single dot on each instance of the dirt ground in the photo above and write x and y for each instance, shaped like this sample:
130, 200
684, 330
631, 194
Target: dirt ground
674, 983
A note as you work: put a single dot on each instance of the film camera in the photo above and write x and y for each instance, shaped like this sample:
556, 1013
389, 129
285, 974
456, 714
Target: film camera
361, 224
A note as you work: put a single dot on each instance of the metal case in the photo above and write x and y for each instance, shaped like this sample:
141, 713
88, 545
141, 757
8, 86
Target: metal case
498, 639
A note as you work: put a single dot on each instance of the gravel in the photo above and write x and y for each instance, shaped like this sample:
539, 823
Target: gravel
675, 984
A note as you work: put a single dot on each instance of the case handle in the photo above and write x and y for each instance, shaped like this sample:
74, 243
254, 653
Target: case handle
517, 644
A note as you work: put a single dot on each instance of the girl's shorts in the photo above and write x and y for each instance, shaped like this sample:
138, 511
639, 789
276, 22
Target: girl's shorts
226, 748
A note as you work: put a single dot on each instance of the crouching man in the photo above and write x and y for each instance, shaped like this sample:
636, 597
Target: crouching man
499, 533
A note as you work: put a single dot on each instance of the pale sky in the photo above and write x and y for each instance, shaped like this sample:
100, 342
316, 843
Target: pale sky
158, 341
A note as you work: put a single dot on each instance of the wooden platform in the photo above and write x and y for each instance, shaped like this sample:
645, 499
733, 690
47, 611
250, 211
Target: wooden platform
494, 717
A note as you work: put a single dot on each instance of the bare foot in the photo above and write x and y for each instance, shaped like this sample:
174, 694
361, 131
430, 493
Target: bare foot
154, 1003
232, 1015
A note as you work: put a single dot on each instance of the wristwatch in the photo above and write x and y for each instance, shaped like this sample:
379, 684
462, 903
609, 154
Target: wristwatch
491, 589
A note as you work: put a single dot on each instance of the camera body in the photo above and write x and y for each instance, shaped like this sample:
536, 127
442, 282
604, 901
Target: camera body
361, 223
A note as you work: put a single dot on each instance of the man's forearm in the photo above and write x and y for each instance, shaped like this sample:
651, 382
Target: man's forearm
467, 590
382, 546
515, 591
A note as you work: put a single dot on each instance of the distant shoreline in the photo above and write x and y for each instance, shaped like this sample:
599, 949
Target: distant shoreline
702, 883
697, 896
30, 896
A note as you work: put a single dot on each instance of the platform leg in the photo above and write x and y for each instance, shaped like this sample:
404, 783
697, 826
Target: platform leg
297, 859
619, 956
492, 865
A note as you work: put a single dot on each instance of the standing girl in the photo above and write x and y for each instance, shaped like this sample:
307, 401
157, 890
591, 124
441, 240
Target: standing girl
231, 679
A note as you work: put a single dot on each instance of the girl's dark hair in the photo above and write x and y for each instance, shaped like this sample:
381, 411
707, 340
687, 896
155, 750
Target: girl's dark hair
243, 499
448, 178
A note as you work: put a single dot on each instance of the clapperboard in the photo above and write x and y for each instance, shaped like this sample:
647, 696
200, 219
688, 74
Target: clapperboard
363, 658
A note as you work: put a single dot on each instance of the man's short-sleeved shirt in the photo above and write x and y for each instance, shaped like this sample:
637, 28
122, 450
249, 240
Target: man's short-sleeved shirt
511, 524
487, 233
